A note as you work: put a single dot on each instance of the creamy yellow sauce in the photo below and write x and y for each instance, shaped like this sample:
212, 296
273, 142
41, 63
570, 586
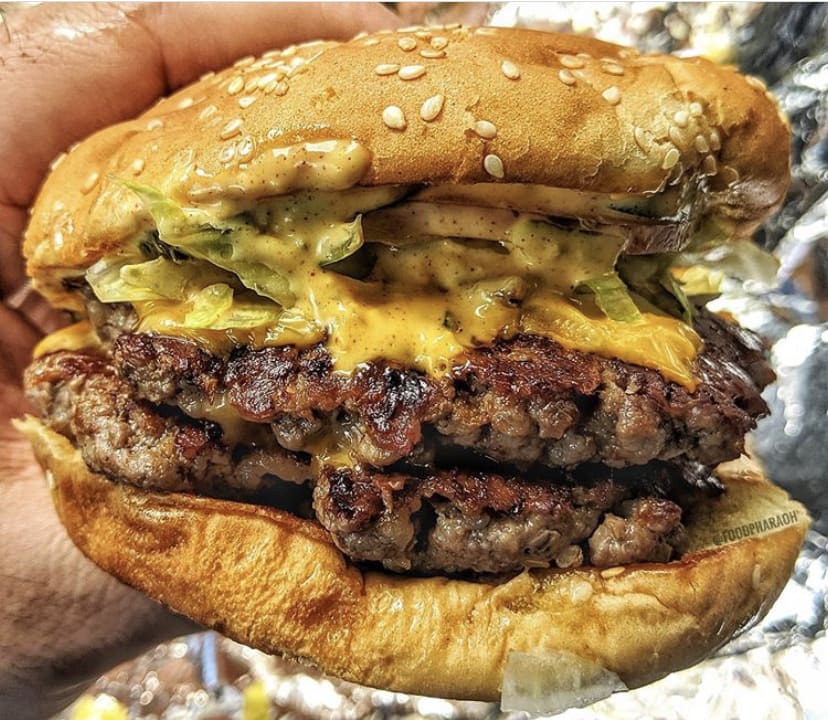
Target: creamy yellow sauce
425, 302
446, 273
78, 336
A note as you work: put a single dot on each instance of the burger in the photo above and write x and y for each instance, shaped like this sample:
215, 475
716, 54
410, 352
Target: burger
391, 356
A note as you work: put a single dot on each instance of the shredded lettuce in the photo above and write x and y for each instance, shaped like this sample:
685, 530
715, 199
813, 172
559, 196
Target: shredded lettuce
612, 297
218, 307
124, 280
651, 276
225, 244
208, 305
342, 242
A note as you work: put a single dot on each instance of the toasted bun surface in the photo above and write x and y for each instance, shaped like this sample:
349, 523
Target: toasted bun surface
568, 112
277, 583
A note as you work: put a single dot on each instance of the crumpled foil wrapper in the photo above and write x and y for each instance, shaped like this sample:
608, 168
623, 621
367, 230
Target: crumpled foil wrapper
778, 668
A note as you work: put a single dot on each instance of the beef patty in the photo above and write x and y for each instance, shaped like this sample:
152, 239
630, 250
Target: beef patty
413, 496
523, 401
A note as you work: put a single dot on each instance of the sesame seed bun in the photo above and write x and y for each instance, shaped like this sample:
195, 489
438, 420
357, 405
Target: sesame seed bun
276, 582
458, 106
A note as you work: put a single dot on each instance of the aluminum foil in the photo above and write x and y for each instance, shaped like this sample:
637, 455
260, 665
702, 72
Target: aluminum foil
777, 669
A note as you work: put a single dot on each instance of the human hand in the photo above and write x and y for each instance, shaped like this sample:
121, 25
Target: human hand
66, 71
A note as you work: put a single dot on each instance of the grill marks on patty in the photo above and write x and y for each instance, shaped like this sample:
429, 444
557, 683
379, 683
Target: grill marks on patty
425, 520
455, 521
414, 500
137, 442
524, 401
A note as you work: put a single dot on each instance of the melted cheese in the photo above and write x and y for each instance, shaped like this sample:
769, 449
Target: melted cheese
425, 303
79, 336
429, 296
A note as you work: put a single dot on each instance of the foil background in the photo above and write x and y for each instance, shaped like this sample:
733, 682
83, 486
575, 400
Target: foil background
778, 668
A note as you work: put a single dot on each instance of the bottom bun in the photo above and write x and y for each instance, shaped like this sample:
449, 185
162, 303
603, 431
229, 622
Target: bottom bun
277, 583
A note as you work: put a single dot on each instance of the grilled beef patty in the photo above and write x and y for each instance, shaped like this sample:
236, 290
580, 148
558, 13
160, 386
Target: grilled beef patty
523, 401
469, 472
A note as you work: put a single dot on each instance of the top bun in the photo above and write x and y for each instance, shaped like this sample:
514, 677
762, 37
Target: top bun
563, 111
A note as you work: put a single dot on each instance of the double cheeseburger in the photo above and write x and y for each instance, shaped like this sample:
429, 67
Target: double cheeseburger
391, 355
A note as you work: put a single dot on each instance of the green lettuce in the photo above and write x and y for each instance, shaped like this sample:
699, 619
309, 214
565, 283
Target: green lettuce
226, 243
612, 297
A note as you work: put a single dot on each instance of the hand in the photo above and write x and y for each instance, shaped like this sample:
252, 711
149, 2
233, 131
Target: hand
66, 71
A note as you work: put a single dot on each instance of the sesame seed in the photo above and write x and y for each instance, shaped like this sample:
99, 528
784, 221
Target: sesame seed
137, 166
236, 85
386, 69
370, 42
709, 165
584, 55
756, 82
701, 144
510, 70
439, 43
227, 153
715, 140
251, 84
681, 118
566, 77
90, 182
432, 107
184, 103
611, 572
452, 26
155, 124
407, 43
57, 161
613, 69
244, 62
230, 129
394, 117
676, 137
670, 159
423, 34
640, 138
485, 129
411, 72
410, 28
573, 63
207, 112
696, 109
265, 80
245, 147
612, 95
493, 165
431, 53
289, 51
360, 35
278, 88
207, 76
246, 101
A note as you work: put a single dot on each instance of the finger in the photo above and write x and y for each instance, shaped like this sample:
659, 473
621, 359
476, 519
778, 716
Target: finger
69, 69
